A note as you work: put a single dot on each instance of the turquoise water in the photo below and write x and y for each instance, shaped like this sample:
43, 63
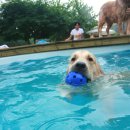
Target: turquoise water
31, 97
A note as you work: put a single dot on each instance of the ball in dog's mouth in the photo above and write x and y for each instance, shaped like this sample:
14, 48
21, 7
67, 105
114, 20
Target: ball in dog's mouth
76, 79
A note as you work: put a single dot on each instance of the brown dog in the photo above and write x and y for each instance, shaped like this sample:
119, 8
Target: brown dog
85, 63
112, 12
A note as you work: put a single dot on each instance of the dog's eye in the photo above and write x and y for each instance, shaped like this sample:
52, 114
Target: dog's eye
90, 58
73, 59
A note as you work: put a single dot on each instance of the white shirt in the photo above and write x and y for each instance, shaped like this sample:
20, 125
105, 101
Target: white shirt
77, 34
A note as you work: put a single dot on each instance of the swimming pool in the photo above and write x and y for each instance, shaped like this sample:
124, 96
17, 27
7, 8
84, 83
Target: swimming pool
30, 98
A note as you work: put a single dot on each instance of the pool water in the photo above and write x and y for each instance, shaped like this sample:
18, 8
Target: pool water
30, 98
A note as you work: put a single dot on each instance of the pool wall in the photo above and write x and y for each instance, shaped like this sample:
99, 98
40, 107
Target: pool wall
56, 46
36, 56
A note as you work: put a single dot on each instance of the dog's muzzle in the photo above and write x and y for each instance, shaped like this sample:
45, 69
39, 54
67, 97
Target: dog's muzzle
80, 67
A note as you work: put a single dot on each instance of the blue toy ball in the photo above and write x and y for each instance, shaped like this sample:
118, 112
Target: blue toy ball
75, 79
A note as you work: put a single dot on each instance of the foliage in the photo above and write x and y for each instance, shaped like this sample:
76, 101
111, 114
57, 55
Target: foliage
83, 13
25, 19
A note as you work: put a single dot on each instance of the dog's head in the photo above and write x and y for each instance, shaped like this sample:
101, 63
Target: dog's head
85, 63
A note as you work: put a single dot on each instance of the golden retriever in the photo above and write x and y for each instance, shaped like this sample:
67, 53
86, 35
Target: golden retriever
85, 63
112, 12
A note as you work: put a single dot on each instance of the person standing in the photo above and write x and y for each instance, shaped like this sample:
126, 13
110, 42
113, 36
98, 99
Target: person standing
77, 33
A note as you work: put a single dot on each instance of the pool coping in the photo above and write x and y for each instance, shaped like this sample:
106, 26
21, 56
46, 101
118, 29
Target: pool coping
61, 45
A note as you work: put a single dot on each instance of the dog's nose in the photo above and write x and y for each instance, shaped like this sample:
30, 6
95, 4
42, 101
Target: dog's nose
81, 65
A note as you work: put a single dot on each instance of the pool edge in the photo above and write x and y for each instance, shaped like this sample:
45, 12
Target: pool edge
61, 45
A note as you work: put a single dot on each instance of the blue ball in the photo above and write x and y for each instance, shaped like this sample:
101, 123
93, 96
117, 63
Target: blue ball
75, 79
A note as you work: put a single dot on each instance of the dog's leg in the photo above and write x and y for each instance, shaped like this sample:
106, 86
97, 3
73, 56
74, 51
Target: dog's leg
108, 28
120, 27
101, 23
128, 26
100, 28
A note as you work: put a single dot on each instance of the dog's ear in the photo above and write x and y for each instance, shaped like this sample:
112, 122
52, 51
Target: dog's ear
69, 64
98, 70
67, 71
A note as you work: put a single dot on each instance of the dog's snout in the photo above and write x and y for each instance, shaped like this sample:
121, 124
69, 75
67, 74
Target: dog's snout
81, 65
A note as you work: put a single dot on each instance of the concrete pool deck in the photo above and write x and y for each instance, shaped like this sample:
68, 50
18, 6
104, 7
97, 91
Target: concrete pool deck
56, 46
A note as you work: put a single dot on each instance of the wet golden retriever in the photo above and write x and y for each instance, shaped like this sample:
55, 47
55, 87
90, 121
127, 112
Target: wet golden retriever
112, 12
84, 62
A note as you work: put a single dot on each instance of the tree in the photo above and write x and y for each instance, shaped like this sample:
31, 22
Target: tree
24, 19
83, 13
